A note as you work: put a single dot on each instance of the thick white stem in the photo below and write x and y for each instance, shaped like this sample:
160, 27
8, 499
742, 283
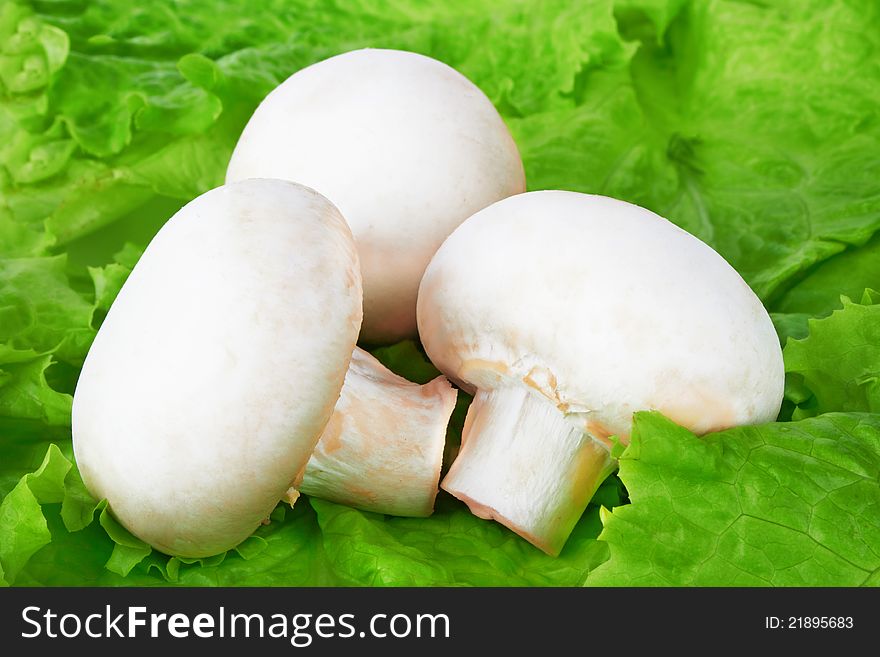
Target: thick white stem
525, 465
383, 447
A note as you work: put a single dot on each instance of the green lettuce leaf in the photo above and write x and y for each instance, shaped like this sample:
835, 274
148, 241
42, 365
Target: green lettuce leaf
453, 548
23, 528
408, 360
837, 367
45, 331
844, 275
48, 536
26, 394
744, 123
786, 504
790, 325
39, 311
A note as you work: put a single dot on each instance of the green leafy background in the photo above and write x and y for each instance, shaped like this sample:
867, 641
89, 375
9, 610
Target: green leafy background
753, 125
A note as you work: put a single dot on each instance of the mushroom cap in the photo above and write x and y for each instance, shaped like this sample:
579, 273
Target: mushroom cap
218, 365
404, 145
604, 307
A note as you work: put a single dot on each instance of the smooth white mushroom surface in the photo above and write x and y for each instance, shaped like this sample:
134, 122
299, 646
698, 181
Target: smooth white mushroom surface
382, 449
566, 313
405, 146
218, 365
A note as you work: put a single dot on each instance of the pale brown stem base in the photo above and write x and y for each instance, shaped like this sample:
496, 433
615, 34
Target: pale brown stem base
523, 464
383, 447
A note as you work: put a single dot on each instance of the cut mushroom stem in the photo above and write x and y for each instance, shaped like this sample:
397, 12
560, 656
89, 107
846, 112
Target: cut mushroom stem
526, 465
383, 448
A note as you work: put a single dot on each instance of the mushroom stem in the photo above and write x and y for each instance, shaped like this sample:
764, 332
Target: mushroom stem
383, 447
527, 466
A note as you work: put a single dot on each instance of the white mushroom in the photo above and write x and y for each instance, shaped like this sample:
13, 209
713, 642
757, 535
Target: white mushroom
383, 448
566, 313
405, 146
218, 365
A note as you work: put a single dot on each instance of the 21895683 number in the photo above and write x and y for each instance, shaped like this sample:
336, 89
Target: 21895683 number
808, 622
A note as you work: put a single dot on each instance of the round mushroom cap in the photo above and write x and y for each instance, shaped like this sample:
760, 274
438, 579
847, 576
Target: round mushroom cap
218, 365
404, 145
604, 307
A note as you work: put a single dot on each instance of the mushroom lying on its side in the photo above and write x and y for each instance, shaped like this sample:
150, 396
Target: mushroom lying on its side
566, 313
218, 365
383, 447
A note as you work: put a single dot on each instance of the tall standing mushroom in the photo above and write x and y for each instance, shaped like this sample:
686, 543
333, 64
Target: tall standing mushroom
405, 146
218, 365
566, 313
